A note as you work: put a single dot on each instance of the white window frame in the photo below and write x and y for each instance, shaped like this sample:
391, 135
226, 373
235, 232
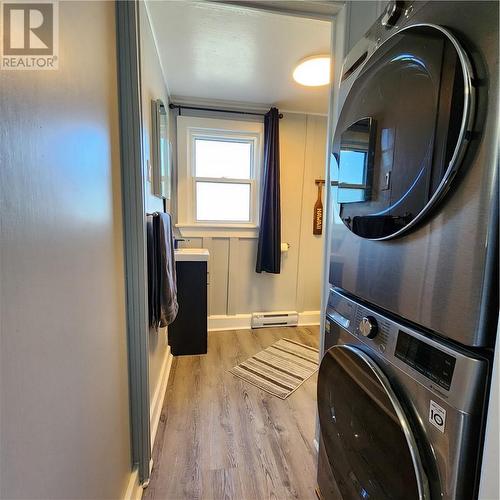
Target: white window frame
188, 130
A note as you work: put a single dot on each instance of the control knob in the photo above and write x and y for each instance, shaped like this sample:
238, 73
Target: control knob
392, 13
368, 327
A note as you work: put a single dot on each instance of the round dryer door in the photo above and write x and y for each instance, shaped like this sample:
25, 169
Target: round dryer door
403, 131
369, 444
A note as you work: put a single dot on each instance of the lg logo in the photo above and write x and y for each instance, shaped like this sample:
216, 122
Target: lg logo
30, 35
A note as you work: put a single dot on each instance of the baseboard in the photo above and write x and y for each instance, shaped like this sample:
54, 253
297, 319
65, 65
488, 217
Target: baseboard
235, 322
218, 323
159, 395
309, 318
134, 488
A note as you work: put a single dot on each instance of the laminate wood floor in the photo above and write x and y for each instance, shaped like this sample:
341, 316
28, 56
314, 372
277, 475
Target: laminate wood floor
222, 438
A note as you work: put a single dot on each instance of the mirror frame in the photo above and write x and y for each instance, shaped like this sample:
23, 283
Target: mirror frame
161, 149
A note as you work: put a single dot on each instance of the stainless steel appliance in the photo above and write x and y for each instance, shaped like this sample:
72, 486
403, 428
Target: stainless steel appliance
416, 169
400, 412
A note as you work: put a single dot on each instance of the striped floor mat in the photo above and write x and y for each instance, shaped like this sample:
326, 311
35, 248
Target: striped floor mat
281, 368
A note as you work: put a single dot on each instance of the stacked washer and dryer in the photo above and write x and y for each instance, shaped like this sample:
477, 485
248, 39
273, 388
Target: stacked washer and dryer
412, 312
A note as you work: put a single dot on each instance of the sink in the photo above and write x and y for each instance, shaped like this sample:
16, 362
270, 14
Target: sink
191, 254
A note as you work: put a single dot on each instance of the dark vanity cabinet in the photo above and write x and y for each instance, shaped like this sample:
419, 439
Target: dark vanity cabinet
188, 333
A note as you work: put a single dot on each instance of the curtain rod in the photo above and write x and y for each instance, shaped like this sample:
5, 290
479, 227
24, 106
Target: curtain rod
197, 108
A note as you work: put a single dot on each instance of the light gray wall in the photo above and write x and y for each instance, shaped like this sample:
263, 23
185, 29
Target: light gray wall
64, 421
152, 87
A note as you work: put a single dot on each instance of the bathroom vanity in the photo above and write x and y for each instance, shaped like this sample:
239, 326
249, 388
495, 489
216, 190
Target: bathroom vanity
187, 335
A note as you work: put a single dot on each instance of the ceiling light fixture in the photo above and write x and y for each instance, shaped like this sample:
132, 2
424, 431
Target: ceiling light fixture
313, 71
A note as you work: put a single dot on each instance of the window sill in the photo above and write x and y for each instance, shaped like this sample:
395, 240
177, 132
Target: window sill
218, 231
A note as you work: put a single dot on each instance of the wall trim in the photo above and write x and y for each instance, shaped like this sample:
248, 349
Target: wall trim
321, 10
134, 229
156, 44
337, 47
223, 322
159, 395
134, 489
236, 105
190, 127
309, 318
193, 230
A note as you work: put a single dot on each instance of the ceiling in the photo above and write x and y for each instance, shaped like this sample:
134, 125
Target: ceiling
213, 52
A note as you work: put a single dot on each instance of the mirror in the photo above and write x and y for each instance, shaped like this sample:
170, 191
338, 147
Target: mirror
161, 150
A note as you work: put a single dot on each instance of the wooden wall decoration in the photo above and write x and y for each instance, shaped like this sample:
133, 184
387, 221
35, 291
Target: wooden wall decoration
318, 210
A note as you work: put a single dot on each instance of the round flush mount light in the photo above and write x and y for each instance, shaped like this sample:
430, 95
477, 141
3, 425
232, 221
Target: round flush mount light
313, 71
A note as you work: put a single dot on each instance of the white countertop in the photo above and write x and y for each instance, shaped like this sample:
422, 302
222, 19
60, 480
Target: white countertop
191, 255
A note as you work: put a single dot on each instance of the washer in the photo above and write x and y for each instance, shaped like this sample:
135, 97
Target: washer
415, 169
400, 412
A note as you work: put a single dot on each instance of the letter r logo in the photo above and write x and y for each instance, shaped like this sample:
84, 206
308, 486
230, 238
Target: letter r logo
28, 29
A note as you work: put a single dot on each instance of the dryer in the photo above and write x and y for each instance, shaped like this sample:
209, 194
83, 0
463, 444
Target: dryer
400, 412
415, 169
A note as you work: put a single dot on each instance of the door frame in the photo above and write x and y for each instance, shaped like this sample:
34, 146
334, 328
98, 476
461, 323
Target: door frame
134, 226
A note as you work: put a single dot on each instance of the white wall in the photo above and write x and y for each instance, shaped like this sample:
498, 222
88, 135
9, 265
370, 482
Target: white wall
64, 409
235, 287
153, 87
489, 488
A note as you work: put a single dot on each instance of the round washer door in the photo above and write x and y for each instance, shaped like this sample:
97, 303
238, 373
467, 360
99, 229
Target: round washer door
371, 450
403, 131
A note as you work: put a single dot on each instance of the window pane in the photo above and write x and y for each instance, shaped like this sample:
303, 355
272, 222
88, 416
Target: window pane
354, 166
217, 201
222, 159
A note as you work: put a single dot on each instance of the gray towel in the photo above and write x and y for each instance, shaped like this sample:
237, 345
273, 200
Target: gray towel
162, 282
167, 282
153, 296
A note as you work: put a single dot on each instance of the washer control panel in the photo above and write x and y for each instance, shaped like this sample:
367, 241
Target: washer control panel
452, 372
435, 364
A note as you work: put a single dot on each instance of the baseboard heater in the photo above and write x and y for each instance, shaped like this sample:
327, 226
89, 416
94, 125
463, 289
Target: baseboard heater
281, 318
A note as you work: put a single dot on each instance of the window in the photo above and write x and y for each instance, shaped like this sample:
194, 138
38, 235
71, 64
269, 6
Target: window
223, 177
219, 165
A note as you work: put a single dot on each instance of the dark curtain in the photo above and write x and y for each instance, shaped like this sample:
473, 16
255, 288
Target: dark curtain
268, 250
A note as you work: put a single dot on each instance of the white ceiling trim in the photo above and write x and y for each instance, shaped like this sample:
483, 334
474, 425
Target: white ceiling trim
155, 41
235, 105
314, 9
